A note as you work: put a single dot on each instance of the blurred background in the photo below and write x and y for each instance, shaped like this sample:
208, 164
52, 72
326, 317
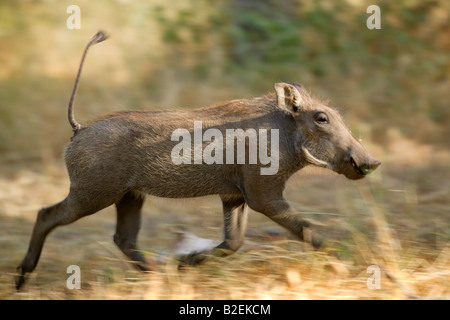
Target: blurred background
392, 86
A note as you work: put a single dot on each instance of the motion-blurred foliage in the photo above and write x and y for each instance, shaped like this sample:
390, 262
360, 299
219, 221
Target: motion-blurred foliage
190, 53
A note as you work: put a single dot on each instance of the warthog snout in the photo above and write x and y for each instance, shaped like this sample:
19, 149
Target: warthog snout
364, 168
357, 163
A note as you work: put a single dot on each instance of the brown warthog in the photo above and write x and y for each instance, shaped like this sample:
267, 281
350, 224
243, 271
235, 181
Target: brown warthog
125, 155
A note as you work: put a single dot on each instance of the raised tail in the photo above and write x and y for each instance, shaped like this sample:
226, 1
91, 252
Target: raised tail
99, 37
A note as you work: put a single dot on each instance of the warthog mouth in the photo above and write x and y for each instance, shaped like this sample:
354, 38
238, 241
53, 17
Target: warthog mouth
353, 172
358, 170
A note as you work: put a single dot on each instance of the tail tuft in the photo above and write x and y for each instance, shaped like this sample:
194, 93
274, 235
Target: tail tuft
99, 37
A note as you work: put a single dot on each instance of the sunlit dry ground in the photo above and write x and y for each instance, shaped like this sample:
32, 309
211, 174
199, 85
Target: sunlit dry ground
398, 220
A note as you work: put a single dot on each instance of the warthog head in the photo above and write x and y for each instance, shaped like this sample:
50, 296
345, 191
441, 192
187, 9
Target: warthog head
323, 138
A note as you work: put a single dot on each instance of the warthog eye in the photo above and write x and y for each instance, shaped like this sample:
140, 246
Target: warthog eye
321, 118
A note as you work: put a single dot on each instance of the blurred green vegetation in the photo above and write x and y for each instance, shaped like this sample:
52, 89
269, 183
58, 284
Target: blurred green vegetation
193, 53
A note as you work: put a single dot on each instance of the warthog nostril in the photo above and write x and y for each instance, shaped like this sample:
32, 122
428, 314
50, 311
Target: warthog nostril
357, 168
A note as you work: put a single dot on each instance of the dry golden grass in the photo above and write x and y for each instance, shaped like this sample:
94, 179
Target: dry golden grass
396, 219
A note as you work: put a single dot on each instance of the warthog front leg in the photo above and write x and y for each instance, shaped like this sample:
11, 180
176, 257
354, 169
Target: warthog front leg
235, 212
282, 213
266, 197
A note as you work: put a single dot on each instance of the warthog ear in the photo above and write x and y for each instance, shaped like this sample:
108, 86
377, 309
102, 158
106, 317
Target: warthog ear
291, 96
